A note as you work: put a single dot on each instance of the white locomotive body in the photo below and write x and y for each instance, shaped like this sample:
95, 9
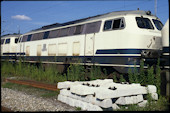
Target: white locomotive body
9, 44
165, 44
117, 39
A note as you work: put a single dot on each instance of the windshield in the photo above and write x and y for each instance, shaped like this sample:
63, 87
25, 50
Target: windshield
144, 23
158, 24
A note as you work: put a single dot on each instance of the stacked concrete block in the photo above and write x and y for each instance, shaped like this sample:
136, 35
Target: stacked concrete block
98, 95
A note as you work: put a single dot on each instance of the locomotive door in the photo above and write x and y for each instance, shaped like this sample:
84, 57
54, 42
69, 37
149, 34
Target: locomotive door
89, 47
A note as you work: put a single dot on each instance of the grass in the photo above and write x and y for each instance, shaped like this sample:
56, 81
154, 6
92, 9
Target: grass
31, 90
78, 73
160, 105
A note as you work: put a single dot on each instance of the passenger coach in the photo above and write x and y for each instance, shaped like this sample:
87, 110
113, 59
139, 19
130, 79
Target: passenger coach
118, 40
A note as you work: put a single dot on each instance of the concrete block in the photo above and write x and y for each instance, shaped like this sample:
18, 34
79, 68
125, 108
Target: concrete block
121, 101
62, 98
115, 106
98, 82
129, 100
137, 99
65, 92
106, 103
77, 103
124, 100
92, 107
143, 103
151, 88
154, 96
70, 101
66, 84
89, 98
82, 90
103, 93
83, 105
59, 97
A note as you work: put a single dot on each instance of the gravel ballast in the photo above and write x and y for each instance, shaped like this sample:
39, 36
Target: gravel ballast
20, 101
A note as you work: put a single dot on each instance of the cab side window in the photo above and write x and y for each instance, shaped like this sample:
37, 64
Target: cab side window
144, 23
16, 40
108, 25
114, 24
7, 41
2, 41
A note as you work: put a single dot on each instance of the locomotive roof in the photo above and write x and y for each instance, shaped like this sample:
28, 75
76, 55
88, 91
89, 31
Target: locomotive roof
115, 13
10, 35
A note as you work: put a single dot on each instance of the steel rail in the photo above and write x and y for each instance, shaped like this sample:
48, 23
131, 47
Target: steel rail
5, 109
34, 84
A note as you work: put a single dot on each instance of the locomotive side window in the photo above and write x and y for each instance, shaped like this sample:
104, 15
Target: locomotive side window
16, 40
108, 25
63, 32
144, 23
92, 27
46, 34
7, 41
35, 36
122, 25
158, 24
53, 34
79, 29
2, 41
116, 24
40, 35
71, 31
24, 39
29, 37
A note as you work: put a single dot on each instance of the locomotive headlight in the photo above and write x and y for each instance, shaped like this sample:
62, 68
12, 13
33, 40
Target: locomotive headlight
145, 53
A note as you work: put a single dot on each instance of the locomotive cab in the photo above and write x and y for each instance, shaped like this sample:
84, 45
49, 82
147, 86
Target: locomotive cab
9, 44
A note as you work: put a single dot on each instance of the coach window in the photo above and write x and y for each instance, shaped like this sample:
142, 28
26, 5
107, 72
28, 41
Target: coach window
46, 35
29, 37
7, 41
107, 25
144, 23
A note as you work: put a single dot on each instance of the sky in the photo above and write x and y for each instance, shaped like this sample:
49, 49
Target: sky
25, 16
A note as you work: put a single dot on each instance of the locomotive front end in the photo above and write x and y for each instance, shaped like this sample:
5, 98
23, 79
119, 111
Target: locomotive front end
153, 46
145, 39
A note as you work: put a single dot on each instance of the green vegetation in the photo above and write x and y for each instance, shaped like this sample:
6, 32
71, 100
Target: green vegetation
32, 72
78, 108
146, 77
79, 73
75, 72
31, 90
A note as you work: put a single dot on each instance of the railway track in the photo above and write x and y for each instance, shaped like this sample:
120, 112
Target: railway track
34, 84
4, 109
